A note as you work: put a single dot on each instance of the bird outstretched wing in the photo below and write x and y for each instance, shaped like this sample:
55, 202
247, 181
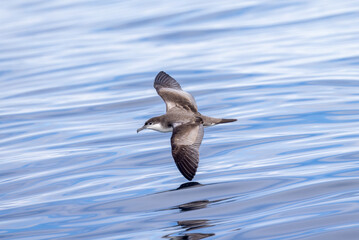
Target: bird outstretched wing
172, 94
185, 141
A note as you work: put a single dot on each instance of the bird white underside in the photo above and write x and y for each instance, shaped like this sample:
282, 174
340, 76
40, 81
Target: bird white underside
158, 127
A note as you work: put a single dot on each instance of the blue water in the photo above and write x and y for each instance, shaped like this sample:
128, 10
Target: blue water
76, 80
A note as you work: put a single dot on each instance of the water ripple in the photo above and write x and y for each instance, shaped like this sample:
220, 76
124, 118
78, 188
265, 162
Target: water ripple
77, 81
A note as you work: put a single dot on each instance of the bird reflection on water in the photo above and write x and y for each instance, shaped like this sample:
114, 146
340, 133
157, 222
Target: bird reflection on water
190, 236
189, 225
184, 200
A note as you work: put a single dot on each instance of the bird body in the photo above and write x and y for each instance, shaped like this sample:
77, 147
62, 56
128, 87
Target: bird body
185, 122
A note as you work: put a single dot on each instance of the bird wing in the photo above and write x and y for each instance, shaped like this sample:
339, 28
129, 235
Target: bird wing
185, 141
173, 95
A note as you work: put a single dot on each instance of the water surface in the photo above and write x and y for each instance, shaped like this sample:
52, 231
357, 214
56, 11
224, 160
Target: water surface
76, 80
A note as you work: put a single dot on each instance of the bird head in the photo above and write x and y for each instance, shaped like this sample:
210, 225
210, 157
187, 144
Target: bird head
152, 123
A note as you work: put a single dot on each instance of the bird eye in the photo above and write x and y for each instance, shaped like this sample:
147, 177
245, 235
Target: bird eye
150, 123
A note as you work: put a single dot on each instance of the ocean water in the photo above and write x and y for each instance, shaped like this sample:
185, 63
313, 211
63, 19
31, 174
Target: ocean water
76, 80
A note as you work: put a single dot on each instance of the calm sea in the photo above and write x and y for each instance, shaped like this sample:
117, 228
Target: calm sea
76, 81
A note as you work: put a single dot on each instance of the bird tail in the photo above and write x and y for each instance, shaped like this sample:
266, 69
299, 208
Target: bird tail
227, 120
210, 121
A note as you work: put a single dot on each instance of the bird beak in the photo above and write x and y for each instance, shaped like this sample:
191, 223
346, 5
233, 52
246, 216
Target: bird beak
140, 129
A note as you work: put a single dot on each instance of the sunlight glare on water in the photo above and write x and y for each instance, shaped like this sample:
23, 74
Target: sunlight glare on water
77, 81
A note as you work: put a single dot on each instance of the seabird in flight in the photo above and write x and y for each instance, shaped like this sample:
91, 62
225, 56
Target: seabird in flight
185, 122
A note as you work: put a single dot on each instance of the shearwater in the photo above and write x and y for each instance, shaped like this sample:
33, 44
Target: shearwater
185, 122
